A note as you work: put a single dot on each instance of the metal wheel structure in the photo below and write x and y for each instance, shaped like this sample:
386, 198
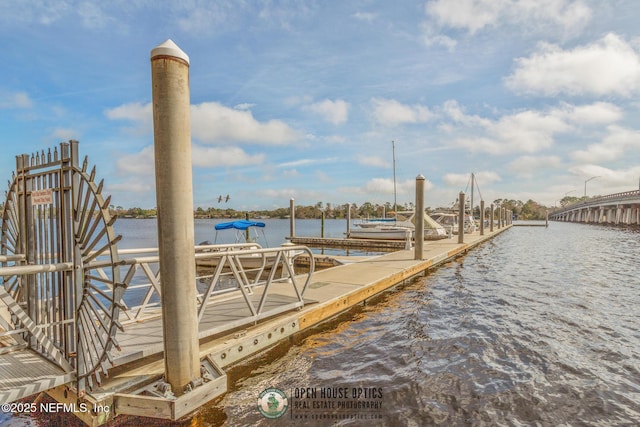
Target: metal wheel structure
55, 215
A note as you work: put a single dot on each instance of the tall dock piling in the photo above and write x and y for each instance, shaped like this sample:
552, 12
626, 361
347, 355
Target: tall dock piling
482, 217
292, 218
493, 218
174, 193
419, 234
461, 218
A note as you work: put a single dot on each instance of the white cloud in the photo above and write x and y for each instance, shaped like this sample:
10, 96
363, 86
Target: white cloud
527, 131
15, 100
304, 162
390, 112
212, 122
365, 16
528, 166
134, 112
471, 15
140, 163
335, 112
610, 180
384, 186
209, 157
616, 144
374, 161
430, 37
482, 178
609, 66
593, 114
564, 16
63, 134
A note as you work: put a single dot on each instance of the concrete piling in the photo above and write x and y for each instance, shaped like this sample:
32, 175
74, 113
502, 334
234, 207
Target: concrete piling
492, 215
174, 194
461, 218
482, 217
292, 218
419, 231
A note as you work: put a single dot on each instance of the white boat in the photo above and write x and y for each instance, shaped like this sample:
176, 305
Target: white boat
450, 222
246, 239
400, 228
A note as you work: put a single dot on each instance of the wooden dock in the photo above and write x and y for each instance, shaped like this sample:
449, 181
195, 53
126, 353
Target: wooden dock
342, 243
225, 339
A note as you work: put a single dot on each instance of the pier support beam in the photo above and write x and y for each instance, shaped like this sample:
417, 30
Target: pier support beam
419, 234
461, 218
174, 194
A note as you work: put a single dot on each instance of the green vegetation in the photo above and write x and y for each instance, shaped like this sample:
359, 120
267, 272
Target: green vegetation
529, 210
523, 211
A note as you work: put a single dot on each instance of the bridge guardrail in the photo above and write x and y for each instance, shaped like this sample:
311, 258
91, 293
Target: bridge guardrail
626, 195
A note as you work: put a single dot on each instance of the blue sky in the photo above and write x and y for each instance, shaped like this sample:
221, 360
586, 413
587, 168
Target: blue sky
303, 98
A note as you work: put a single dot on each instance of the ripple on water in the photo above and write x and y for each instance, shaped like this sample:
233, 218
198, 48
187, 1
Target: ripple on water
522, 331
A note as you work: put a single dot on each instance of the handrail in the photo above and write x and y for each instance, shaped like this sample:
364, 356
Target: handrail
228, 278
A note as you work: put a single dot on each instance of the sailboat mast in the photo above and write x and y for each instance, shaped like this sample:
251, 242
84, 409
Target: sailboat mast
395, 192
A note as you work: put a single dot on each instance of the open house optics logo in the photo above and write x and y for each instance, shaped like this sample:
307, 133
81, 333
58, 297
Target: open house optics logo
273, 403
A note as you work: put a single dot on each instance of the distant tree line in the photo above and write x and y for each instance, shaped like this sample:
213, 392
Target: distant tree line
529, 210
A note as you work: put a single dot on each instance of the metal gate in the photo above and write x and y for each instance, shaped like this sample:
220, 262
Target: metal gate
65, 296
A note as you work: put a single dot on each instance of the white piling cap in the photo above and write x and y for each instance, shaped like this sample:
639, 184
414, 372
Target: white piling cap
420, 176
169, 48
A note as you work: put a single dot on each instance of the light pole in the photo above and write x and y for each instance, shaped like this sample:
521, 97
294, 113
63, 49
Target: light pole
585, 184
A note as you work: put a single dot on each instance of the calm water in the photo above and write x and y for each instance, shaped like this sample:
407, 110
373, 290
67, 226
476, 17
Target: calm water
142, 233
538, 326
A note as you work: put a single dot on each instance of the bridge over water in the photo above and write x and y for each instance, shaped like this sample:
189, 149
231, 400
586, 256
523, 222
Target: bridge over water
618, 208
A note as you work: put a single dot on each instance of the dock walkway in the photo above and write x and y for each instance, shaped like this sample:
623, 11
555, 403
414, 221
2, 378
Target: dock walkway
226, 339
330, 292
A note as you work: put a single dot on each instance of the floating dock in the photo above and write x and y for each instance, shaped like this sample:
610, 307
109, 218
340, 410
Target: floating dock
368, 244
329, 293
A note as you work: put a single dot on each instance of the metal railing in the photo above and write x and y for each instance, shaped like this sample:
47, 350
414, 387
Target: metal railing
224, 272
600, 200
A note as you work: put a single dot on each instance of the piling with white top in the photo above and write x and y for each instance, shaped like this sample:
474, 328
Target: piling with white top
419, 231
174, 194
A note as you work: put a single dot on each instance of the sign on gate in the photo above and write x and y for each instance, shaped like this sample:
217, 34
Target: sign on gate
42, 197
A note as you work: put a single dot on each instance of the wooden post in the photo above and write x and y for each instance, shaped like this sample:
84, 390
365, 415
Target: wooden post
419, 231
461, 218
492, 216
482, 217
174, 194
348, 219
292, 218
247, 233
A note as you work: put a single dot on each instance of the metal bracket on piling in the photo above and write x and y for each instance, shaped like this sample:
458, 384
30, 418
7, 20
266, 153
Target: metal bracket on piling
157, 400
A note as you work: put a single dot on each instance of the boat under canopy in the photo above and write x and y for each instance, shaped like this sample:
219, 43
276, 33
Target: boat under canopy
241, 224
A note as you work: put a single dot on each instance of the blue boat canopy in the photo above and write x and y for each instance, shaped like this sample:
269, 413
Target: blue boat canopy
242, 224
